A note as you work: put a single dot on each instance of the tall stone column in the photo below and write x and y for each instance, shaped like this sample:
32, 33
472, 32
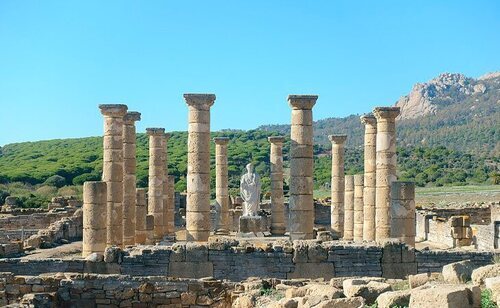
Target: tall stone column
129, 178
403, 222
141, 210
156, 179
150, 226
386, 168
277, 196
168, 212
301, 215
370, 153
170, 224
349, 208
358, 207
337, 185
198, 177
112, 171
221, 184
94, 218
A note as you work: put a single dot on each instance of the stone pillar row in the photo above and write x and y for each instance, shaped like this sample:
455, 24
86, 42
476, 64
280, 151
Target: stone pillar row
386, 161
337, 185
358, 207
277, 196
129, 177
94, 218
141, 210
198, 174
403, 212
301, 211
112, 172
156, 180
221, 184
349, 208
370, 154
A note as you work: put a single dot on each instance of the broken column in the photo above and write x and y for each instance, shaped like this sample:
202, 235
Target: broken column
358, 207
349, 208
277, 197
370, 153
112, 171
403, 212
156, 179
198, 176
141, 210
301, 215
129, 178
337, 186
386, 168
94, 218
221, 184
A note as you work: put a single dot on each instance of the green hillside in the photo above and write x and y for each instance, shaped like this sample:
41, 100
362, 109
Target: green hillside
60, 166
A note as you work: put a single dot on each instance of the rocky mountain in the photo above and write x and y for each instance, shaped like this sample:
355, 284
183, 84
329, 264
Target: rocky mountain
451, 110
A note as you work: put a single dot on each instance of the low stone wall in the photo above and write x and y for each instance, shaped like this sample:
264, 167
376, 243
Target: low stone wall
7, 236
429, 261
77, 290
10, 249
33, 221
68, 228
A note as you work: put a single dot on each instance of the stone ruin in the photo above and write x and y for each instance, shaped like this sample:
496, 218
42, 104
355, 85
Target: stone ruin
155, 247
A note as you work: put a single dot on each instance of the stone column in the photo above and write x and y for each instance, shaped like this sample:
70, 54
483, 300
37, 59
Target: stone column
277, 198
386, 168
170, 224
370, 153
337, 186
129, 179
358, 207
112, 171
403, 212
150, 226
141, 210
156, 179
168, 212
221, 184
301, 216
94, 218
198, 176
349, 208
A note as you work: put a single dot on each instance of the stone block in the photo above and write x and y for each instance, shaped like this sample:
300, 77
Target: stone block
250, 224
458, 272
312, 270
191, 269
394, 299
451, 296
196, 252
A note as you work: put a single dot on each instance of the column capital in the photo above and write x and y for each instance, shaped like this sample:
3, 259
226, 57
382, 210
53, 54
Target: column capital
113, 110
221, 140
155, 131
276, 139
337, 139
386, 112
368, 118
199, 101
131, 116
302, 102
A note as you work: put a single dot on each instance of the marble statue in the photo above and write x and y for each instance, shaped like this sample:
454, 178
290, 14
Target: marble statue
250, 191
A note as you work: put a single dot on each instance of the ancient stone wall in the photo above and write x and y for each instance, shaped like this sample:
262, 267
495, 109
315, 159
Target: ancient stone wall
33, 221
70, 289
429, 261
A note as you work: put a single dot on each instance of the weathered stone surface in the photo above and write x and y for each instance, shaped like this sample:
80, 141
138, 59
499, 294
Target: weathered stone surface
458, 272
353, 302
452, 296
394, 299
418, 280
480, 274
367, 288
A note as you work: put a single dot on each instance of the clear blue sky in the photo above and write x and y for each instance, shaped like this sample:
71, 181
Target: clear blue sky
60, 59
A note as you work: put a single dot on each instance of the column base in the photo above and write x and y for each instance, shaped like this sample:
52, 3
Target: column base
250, 224
278, 230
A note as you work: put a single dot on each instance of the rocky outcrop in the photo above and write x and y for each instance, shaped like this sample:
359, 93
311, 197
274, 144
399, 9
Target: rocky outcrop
427, 98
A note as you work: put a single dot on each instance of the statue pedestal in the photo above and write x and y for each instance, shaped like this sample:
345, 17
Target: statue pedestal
250, 224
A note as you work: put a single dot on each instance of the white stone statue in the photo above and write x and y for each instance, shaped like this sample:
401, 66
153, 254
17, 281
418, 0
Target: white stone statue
250, 192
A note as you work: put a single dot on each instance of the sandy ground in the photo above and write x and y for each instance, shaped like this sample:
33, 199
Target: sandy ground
67, 251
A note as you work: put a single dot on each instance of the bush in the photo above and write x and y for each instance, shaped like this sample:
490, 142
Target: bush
70, 191
56, 181
82, 178
32, 201
46, 191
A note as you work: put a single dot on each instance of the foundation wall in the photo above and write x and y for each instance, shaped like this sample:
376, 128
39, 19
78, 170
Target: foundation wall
32, 221
429, 261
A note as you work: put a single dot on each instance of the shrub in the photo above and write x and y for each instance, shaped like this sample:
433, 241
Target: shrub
56, 181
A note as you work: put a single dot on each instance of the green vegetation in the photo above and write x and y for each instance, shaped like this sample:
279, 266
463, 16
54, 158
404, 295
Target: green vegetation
486, 300
48, 168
